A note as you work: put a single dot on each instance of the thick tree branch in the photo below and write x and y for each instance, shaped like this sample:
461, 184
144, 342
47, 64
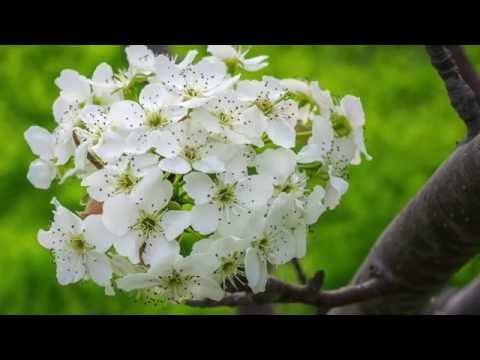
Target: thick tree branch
278, 291
464, 302
462, 97
466, 68
439, 230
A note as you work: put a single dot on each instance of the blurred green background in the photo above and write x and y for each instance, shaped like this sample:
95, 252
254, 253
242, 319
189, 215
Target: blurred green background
411, 129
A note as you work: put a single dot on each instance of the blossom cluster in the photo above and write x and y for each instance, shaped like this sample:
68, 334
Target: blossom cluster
203, 182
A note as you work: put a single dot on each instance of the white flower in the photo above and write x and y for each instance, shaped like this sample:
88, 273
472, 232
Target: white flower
337, 137
141, 221
52, 151
176, 279
141, 59
229, 117
186, 145
79, 247
226, 254
223, 200
195, 83
281, 115
233, 57
319, 145
280, 238
120, 177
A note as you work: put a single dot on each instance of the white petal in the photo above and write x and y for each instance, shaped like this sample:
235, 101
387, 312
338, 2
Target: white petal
165, 143
40, 141
152, 193
119, 213
99, 184
314, 207
283, 246
158, 248
256, 270
311, 153
52, 239
222, 52
41, 174
336, 188
256, 63
354, 110
199, 187
70, 267
205, 218
175, 165
209, 164
191, 55
127, 115
254, 122
279, 164
281, 133
73, 86
300, 234
140, 57
153, 97
208, 289
65, 219
138, 141
137, 281
97, 234
207, 120
129, 246
174, 223
112, 146
98, 268
254, 191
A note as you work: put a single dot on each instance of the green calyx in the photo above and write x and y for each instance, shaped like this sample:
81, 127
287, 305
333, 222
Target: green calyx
341, 125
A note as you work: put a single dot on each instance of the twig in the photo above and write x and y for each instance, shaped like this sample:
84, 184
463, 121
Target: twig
461, 96
302, 278
90, 157
278, 291
466, 68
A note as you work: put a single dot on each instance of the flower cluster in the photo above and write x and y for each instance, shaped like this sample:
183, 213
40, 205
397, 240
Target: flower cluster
202, 182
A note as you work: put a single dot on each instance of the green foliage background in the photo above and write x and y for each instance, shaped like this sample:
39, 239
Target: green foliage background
410, 130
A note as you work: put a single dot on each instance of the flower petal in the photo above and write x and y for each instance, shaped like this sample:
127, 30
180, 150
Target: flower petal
98, 268
119, 213
205, 218
199, 187
174, 223
97, 234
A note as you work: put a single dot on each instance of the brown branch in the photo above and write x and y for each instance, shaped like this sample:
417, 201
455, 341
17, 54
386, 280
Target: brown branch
467, 70
439, 230
302, 278
464, 302
462, 97
95, 162
278, 291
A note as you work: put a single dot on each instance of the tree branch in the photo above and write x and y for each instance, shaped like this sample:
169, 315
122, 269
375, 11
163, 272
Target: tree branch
278, 291
462, 97
302, 278
95, 162
439, 230
464, 302
467, 70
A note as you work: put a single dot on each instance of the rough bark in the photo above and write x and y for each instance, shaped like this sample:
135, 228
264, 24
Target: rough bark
439, 230
464, 302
